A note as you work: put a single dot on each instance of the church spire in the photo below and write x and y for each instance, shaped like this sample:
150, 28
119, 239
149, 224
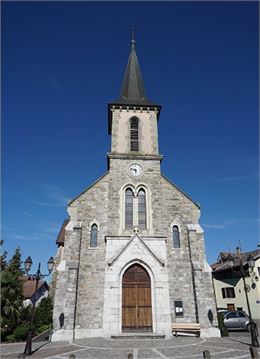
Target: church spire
132, 91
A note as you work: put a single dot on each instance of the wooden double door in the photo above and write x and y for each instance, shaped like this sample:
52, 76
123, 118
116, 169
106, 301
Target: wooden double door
136, 300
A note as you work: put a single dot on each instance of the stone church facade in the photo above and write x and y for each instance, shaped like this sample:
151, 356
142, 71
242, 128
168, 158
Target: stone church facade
131, 256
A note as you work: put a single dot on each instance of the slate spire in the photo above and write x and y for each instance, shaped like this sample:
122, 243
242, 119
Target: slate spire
132, 90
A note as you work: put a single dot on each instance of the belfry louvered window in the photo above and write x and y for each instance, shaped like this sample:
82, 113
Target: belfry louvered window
142, 209
93, 235
129, 208
134, 145
176, 237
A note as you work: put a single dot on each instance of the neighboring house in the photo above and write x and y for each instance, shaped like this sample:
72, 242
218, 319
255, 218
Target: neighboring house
131, 255
30, 295
228, 283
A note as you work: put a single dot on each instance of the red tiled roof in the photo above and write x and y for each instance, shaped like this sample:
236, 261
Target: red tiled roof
29, 286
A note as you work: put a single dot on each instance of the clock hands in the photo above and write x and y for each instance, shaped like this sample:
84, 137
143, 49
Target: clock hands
135, 170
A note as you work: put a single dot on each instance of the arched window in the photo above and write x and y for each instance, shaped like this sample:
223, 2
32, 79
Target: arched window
129, 208
176, 237
142, 209
93, 235
134, 146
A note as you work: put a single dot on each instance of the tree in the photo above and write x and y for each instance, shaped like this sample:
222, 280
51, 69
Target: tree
15, 317
14, 265
11, 293
43, 315
3, 262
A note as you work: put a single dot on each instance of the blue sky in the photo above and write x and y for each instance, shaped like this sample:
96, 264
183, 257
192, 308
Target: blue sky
62, 62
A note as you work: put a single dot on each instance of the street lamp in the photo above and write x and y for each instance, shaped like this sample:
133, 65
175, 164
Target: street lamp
37, 276
251, 264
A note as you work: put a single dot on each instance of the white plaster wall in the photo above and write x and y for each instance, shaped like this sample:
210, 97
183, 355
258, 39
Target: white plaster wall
136, 252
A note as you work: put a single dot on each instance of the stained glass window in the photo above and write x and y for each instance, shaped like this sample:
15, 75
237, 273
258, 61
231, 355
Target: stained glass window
129, 208
142, 209
93, 235
176, 237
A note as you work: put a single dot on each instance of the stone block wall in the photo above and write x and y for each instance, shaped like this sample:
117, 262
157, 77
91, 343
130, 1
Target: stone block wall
84, 291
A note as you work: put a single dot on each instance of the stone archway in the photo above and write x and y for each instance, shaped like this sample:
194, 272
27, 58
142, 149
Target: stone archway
136, 300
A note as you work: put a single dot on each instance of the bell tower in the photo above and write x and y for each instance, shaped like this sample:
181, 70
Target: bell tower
132, 118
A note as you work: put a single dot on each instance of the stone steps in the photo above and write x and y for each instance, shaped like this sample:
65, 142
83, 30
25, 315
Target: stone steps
138, 336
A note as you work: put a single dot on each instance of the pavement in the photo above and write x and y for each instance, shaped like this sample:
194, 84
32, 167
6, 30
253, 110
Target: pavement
237, 345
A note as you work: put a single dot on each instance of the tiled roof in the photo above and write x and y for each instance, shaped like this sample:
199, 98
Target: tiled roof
222, 263
61, 236
29, 286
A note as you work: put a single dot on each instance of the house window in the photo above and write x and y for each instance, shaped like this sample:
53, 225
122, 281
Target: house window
228, 292
178, 308
231, 306
129, 208
142, 209
134, 146
93, 235
176, 237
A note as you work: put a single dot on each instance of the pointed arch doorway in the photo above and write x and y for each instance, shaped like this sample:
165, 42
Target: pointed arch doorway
136, 300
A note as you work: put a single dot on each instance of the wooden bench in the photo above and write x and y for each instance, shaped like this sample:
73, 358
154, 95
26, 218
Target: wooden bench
191, 328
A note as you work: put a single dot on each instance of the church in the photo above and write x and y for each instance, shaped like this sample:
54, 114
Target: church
131, 256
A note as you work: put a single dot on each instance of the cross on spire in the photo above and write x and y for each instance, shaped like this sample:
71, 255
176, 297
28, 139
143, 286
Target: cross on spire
133, 36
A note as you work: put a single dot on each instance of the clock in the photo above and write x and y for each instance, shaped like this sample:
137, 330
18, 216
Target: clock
135, 170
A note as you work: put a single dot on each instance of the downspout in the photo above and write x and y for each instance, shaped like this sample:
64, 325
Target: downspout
193, 282
77, 281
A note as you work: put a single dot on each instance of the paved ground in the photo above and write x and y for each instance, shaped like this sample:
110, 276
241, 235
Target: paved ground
235, 346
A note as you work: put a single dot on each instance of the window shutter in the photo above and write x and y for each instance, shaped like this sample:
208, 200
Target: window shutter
134, 146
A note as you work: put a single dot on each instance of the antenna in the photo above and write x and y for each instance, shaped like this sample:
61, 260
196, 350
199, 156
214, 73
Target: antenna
239, 244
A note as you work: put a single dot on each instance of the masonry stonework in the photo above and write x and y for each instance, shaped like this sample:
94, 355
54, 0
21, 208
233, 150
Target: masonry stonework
89, 291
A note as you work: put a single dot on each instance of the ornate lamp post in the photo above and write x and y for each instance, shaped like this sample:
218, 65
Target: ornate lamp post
243, 273
37, 276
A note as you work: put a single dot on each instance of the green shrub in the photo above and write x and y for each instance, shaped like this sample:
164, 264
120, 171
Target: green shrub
10, 338
43, 313
43, 328
21, 332
221, 325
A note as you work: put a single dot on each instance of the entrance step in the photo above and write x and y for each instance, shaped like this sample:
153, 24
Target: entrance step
138, 336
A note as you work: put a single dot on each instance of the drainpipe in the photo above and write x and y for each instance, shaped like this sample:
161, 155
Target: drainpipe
193, 281
79, 229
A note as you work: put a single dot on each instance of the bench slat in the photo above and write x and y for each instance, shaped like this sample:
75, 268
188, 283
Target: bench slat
186, 327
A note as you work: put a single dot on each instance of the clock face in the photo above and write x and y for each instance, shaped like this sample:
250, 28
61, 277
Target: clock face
135, 170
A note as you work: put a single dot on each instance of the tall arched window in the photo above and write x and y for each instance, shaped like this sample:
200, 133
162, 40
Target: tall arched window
134, 146
142, 209
129, 208
93, 235
176, 237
